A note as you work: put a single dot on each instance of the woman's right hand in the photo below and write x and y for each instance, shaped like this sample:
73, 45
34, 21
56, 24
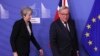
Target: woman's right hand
15, 54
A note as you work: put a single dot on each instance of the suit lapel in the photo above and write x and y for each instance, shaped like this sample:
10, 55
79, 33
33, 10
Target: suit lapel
71, 26
62, 26
25, 27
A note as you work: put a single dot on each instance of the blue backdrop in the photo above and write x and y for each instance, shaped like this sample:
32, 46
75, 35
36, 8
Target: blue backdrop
45, 10
10, 12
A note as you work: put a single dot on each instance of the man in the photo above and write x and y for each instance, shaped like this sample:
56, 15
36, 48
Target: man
63, 37
22, 34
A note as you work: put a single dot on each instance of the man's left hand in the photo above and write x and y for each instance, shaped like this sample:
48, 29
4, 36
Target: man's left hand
77, 53
41, 52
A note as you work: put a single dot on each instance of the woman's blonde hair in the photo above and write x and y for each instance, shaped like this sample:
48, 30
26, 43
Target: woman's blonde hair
25, 10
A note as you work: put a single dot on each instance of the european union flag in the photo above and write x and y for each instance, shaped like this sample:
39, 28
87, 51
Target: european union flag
91, 32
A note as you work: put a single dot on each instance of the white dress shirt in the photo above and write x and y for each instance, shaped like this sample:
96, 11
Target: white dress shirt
66, 26
28, 28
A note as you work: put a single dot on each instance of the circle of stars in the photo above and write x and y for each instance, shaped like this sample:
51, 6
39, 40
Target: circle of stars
87, 34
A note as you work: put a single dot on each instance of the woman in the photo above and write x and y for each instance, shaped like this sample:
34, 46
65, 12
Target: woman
22, 34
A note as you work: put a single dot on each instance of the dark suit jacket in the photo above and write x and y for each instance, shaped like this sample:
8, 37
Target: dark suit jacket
63, 43
20, 38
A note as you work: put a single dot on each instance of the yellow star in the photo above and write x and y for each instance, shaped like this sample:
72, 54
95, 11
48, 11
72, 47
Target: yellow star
87, 34
90, 42
93, 20
99, 17
95, 48
88, 26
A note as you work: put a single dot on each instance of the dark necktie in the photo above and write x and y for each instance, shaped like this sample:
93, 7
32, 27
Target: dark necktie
66, 25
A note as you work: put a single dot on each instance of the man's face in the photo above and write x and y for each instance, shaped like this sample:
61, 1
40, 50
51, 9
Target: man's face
28, 16
64, 15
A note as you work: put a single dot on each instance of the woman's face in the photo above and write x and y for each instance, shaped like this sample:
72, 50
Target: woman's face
28, 16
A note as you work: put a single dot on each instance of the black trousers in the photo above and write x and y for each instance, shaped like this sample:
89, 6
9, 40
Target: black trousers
70, 53
23, 54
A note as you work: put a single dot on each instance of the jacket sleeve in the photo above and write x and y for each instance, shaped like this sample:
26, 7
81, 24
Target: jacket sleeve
75, 43
34, 40
53, 37
13, 36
